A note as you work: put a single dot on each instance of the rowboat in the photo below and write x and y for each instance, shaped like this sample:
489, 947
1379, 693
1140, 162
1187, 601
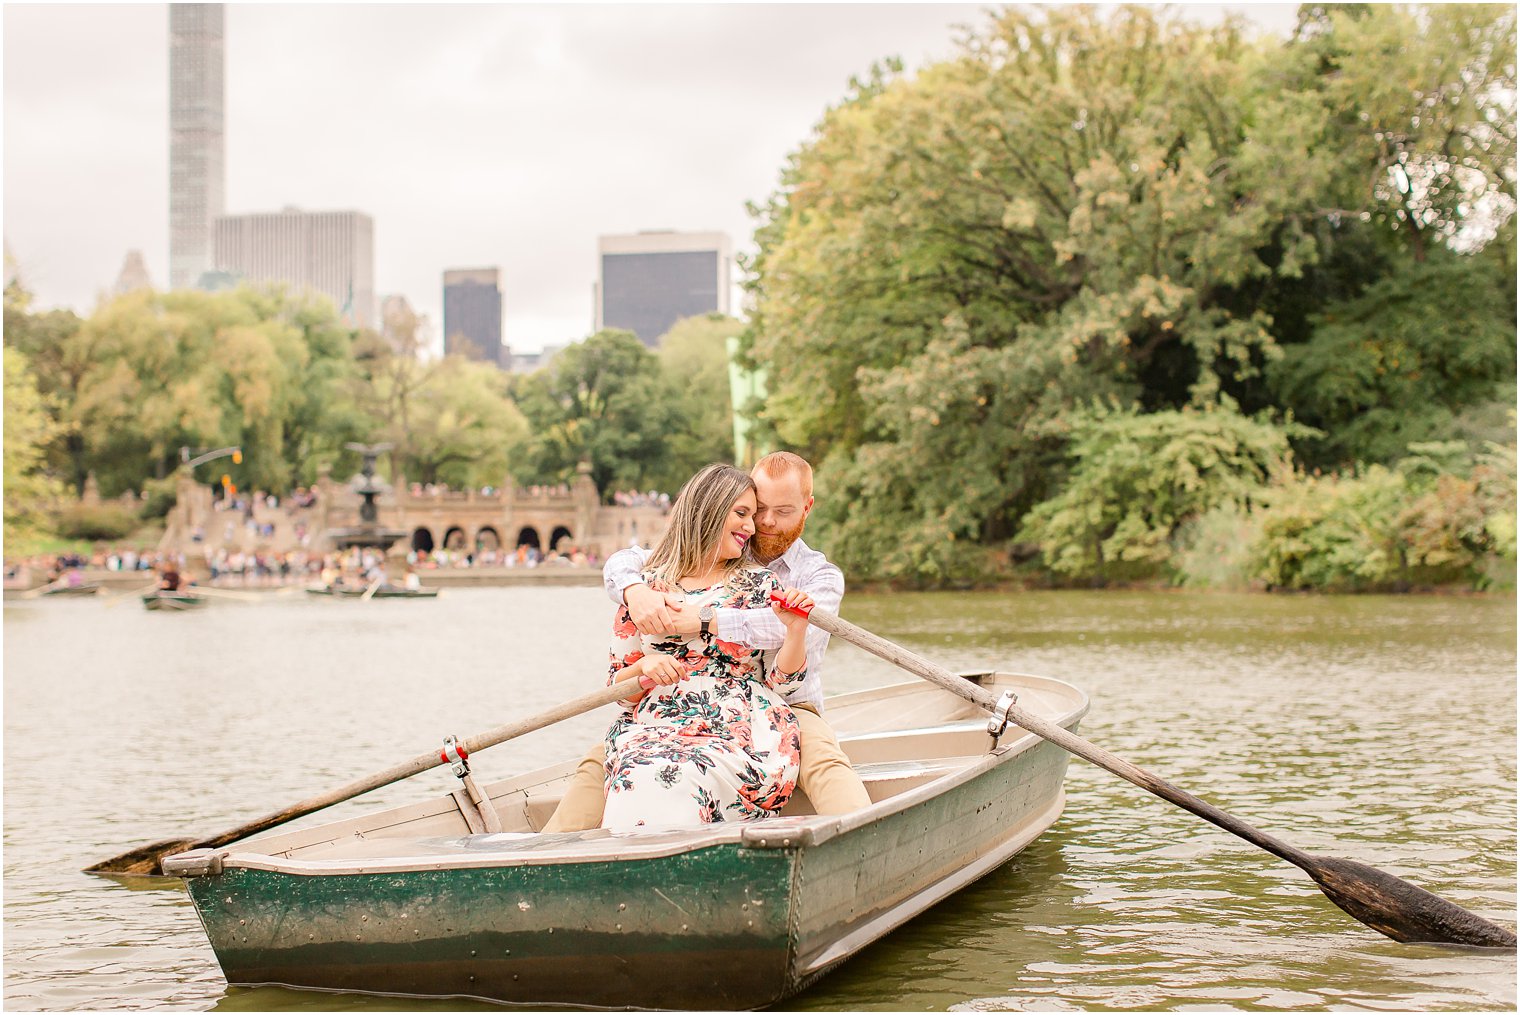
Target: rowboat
84, 589
420, 900
163, 599
383, 592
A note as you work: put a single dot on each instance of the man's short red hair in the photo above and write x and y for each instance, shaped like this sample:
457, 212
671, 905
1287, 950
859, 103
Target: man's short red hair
780, 463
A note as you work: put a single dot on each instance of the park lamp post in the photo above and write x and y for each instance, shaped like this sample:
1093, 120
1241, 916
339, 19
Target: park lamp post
188, 464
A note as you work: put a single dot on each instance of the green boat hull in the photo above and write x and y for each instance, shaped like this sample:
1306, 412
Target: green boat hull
357, 593
172, 601
706, 929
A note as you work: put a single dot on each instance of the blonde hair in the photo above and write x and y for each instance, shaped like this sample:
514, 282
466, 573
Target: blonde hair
696, 523
779, 463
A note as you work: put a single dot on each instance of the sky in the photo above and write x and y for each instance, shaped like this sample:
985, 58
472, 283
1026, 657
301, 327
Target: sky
506, 135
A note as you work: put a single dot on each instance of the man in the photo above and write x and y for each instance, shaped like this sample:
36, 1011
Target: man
785, 498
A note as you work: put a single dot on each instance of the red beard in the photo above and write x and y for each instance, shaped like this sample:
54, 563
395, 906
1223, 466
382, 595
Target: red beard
769, 547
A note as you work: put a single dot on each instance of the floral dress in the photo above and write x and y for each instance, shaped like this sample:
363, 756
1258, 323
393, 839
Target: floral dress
719, 744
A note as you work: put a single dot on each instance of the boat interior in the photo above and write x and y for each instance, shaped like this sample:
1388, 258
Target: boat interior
899, 738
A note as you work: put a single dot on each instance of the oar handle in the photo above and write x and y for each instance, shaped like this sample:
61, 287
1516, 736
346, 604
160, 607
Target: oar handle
422, 762
1057, 735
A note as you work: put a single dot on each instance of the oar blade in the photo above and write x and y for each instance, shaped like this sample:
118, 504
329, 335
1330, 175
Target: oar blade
1402, 911
144, 860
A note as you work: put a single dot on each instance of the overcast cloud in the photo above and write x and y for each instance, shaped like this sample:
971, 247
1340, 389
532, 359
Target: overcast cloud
506, 135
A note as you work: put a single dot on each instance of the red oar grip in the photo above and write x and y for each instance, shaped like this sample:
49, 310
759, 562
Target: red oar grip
776, 598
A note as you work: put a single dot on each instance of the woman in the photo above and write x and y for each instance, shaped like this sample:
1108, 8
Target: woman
713, 740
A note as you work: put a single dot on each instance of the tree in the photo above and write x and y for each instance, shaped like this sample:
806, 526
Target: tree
28, 430
448, 421
1136, 480
1067, 211
251, 367
1116, 205
1403, 361
1424, 101
46, 340
693, 357
602, 401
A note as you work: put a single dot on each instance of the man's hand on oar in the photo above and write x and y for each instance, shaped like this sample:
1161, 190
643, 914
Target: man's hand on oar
1387, 904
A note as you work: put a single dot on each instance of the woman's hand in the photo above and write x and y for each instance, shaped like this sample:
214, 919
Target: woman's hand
662, 669
793, 599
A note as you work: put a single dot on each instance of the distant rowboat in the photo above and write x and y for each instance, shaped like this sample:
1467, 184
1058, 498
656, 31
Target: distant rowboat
166, 600
421, 901
84, 589
383, 592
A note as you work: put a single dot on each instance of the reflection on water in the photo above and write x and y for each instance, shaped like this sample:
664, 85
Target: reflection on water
1376, 728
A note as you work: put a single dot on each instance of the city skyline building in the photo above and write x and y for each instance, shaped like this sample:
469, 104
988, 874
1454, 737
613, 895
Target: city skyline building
403, 329
329, 252
133, 275
472, 315
648, 281
197, 138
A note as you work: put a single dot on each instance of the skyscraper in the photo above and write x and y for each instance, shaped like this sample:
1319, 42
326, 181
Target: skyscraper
472, 314
197, 148
650, 280
133, 275
331, 252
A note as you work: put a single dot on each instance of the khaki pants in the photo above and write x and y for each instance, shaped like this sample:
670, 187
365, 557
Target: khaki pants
825, 776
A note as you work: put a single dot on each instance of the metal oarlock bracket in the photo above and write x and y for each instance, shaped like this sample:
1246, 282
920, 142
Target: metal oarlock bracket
999, 721
479, 813
456, 756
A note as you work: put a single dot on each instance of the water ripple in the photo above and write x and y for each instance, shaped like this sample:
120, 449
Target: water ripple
1381, 729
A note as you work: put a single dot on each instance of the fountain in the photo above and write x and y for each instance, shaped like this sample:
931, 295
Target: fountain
367, 534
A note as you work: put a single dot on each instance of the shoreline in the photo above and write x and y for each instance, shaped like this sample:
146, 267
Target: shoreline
552, 575
558, 575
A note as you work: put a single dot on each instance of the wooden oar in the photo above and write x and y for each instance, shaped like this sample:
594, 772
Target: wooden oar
369, 593
213, 592
44, 589
146, 860
134, 594
1387, 904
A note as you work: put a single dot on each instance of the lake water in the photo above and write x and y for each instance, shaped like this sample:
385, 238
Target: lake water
1376, 728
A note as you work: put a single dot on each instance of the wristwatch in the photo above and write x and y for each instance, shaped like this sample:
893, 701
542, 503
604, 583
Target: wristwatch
707, 615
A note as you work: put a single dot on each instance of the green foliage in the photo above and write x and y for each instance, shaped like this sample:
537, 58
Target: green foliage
159, 498
1400, 363
1424, 102
449, 421
1120, 205
1332, 533
956, 261
693, 358
1210, 551
104, 522
601, 401
1440, 516
1137, 479
28, 430
149, 373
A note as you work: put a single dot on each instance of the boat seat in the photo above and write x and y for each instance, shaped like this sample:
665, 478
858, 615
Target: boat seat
882, 779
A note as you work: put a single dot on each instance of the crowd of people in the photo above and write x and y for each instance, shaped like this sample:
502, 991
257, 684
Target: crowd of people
639, 498
525, 555
50, 567
267, 568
